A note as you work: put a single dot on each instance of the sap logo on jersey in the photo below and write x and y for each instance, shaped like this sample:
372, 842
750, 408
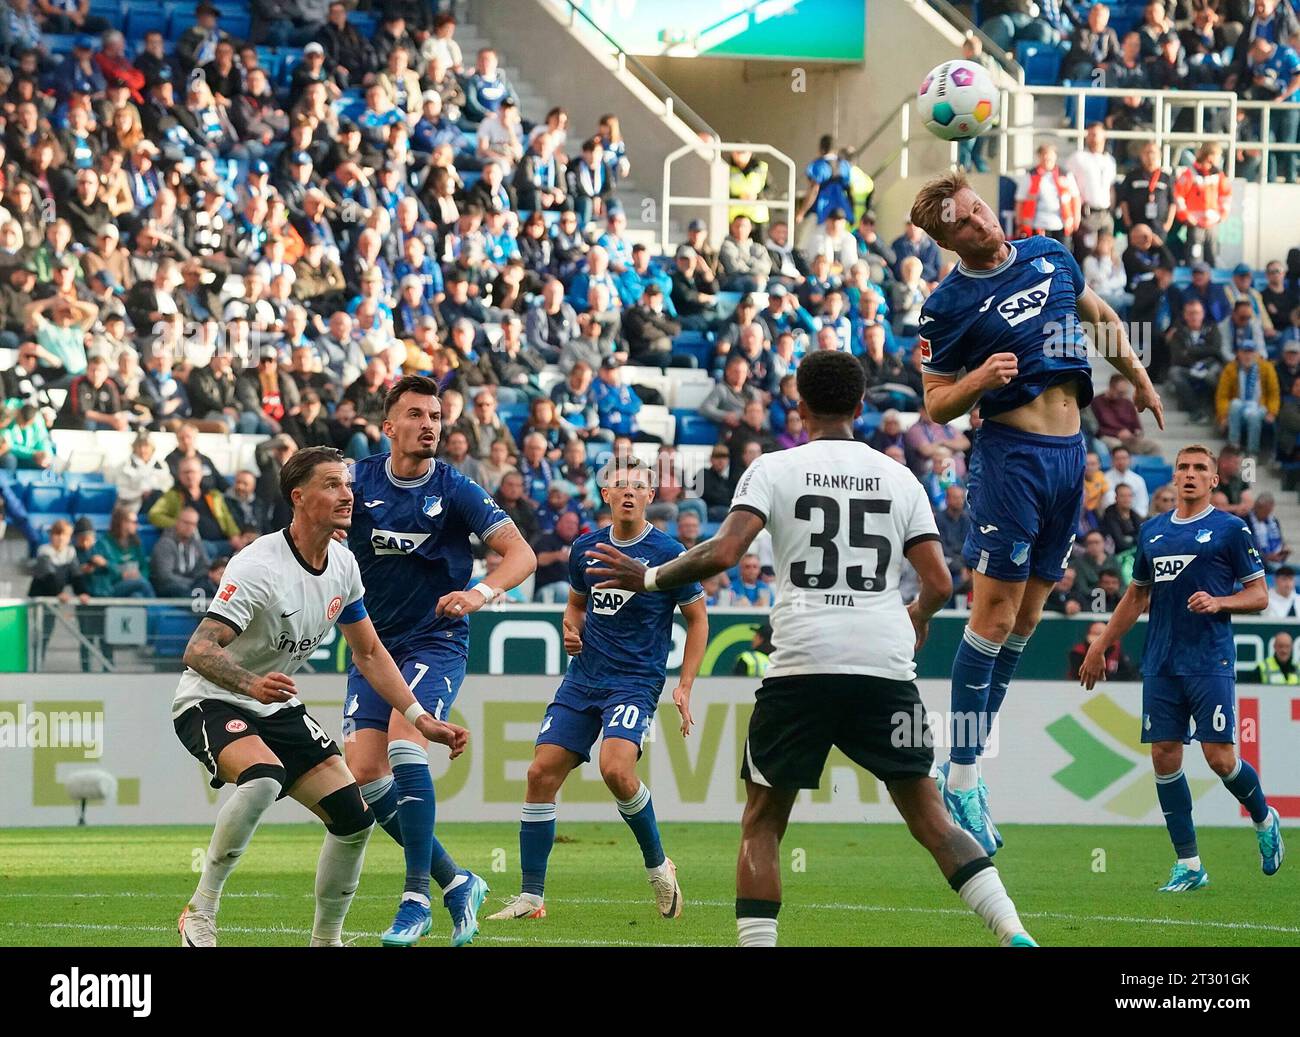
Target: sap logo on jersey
608, 602
1167, 567
1027, 304
388, 542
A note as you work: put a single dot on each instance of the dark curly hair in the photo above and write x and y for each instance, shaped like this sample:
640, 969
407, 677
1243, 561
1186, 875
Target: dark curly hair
831, 383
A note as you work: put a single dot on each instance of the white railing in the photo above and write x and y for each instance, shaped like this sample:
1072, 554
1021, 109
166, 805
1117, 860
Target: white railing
718, 200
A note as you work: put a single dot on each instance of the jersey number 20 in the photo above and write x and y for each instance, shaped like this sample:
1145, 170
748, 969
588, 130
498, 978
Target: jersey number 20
855, 575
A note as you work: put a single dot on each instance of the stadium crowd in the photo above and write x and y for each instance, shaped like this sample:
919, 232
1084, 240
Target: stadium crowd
202, 233
1250, 47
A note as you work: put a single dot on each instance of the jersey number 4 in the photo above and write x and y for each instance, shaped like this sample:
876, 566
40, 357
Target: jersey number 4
829, 574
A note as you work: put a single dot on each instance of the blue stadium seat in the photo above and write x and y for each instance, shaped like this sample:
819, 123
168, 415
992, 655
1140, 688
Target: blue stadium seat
693, 429
365, 22
708, 530
170, 630
1041, 62
60, 45
42, 521
148, 536
33, 475
95, 500
1155, 471
236, 23
698, 343
287, 63
51, 497
110, 9
141, 20
180, 21
1094, 108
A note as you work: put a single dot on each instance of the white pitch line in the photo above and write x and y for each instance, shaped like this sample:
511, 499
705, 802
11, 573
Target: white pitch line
541, 939
597, 902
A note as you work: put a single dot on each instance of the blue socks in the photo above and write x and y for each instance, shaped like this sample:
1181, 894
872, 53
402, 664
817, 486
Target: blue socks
972, 676
381, 795
1176, 804
536, 837
639, 813
416, 810
1004, 668
1243, 783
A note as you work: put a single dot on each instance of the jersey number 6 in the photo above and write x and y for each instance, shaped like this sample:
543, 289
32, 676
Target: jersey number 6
855, 576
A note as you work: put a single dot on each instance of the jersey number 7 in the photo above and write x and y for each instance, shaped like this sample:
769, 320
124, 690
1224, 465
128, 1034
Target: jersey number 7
829, 575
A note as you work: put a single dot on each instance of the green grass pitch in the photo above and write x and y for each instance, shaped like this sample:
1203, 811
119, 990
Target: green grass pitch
845, 885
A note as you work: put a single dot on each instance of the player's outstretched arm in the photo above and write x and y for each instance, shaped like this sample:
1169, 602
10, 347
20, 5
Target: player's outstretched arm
717, 554
517, 563
206, 655
377, 667
696, 615
1126, 613
1111, 339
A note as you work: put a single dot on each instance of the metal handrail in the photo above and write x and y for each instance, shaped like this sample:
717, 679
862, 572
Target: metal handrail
712, 152
959, 21
673, 104
1166, 101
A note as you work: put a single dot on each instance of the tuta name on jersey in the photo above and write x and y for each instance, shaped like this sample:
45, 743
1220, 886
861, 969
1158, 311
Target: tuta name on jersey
861, 483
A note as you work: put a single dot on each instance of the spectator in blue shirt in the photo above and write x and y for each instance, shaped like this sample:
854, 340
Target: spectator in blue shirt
619, 404
79, 74
828, 176
1212, 296
1273, 71
486, 88
916, 242
749, 589
613, 242
415, 262
434, 129
596, 271
538, 473
633, 282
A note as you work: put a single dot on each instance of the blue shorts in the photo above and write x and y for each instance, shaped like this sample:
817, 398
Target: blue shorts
1024, 495
577, 716
433, 672
1169, 703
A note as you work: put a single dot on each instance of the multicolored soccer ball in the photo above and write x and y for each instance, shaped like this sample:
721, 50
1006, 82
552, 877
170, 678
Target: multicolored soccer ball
958, 100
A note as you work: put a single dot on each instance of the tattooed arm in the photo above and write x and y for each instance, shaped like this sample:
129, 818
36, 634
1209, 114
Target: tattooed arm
206, 655
717, 554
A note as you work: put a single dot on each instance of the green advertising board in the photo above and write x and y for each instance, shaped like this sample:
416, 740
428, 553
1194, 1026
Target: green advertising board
528, 640
13, 638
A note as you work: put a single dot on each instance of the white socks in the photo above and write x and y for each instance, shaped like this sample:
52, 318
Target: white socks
963, 776
236, 823
985, 895
337, 874
756, 932
1192, 862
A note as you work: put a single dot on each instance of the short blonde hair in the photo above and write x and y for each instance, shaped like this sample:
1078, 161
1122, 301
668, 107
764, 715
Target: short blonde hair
1198, 448
931, 201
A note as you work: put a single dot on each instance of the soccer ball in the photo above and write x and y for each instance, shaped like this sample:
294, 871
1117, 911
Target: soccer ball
958, 100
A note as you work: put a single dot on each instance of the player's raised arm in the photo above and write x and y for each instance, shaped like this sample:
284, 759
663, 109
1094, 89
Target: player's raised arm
206, 655
696, 615
1127, 613
1110, 338
717, 554
377, 667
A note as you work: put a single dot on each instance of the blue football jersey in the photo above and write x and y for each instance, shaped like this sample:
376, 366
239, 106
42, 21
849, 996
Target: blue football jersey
1211, 552
627, 635
411, 540
1027, 306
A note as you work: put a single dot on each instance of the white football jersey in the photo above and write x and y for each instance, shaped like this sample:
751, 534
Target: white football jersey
841, 516
281, 610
